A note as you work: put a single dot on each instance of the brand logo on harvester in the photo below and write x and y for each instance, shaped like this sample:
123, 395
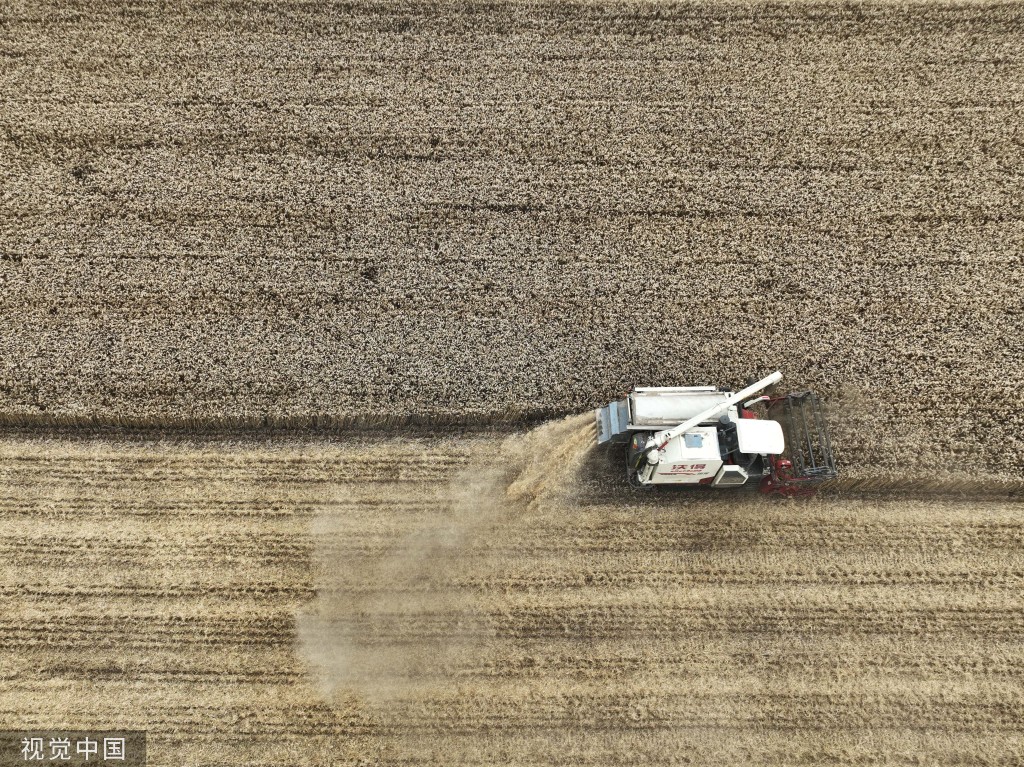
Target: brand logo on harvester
687, 468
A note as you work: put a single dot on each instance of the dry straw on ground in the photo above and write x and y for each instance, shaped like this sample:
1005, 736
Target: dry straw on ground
393, 603
304, 213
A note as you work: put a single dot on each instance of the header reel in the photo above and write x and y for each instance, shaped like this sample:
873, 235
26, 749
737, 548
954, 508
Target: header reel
808, 459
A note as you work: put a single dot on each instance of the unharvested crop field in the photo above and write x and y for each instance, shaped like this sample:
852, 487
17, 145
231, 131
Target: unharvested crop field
303, 212
404, 601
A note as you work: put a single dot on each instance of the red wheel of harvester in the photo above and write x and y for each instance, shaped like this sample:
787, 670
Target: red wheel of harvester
782, 482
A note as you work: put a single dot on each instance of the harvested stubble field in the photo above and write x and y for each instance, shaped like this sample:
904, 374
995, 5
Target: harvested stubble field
406, 602
309, 212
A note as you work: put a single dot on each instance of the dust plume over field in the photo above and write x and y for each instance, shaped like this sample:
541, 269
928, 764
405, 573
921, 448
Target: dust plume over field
357, 636
204, 593
303, 213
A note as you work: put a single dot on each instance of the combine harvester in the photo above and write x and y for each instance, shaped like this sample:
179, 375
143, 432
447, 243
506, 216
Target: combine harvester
700, 435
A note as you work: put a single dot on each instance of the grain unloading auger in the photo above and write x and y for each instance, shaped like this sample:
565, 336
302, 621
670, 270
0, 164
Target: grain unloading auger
700, 435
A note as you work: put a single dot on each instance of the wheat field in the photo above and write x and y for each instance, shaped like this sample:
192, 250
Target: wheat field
463, 600
286, 289
308, 213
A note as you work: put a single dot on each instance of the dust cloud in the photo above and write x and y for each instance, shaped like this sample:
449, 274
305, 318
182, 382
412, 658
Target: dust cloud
399, 616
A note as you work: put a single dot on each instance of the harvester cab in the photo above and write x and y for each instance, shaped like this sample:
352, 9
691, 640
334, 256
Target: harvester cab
700, 435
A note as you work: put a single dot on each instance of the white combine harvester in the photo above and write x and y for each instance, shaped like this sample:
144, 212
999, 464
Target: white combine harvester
700, 435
